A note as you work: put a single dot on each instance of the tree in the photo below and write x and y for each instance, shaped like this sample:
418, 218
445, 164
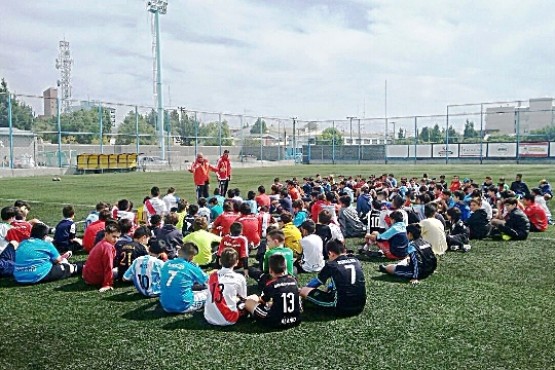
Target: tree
210, 133
23, 116
330, 136
453, 135
259, 127
83, 125
401, 134
186, 129
469, 131
127, 132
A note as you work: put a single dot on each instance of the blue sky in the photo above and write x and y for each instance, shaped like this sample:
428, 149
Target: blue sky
318, 59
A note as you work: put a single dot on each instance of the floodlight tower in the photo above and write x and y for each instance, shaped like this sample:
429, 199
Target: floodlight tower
157, 7
64, 64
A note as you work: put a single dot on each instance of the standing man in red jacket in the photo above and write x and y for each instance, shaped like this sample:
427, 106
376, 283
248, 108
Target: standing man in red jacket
201, 175
224, 172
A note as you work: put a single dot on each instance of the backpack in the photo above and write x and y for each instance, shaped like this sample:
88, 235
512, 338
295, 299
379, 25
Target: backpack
427, 260
412, 216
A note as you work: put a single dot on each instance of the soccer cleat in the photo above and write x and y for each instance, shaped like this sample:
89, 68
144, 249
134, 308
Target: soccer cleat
382, 269
374, 254
506, 237
454, 248
466, 248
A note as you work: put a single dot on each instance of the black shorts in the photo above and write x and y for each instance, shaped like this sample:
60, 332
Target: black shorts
328, 301
323, 299
58, 271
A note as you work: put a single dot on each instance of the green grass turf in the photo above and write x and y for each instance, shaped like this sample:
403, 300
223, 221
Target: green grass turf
490, 308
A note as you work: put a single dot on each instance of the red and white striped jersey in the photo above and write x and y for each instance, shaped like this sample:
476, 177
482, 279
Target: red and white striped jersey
224, 288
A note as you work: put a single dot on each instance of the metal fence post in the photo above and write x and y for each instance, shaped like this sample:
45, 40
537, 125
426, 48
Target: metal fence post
517, 123
59, 123
260, 126
137, 138
415, 138
385, 139
481, 132
10, 124
220, 133
196, 135
100, 120
333, 143
359, 143
446, 137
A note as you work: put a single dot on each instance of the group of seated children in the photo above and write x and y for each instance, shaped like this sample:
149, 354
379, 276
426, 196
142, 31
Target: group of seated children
166, 252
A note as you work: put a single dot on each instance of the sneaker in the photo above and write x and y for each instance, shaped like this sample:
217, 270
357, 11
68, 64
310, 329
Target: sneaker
381, 268
374, 254
466, 247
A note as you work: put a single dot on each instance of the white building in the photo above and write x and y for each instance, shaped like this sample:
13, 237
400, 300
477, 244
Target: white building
504, 120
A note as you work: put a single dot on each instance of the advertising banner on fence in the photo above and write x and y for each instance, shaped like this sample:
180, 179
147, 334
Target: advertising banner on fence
422, 151
537, 150
471, 150
502, 150
442, 150
397, 151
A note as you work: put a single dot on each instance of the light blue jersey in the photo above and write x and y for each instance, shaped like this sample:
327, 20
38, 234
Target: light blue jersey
33, 260
145, 272
177, 279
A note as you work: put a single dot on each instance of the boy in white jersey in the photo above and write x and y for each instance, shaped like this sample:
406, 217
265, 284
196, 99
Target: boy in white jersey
226, 292
144, 272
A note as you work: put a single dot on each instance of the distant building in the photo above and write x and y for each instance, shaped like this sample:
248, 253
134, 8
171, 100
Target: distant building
49, 100
87, 105
537, 115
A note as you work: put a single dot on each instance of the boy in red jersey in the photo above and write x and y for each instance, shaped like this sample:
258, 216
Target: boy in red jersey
99, 267
535, 213
250, 225
237, 242
223, 222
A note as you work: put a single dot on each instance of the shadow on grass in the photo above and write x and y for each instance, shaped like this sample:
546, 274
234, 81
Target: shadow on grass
196, 321
131, 296
76, 286
149, 311
8, 282
389, 278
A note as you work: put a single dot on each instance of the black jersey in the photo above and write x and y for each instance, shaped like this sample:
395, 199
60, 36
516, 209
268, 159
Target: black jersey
374, 221
126, 253
347, 279
282, 304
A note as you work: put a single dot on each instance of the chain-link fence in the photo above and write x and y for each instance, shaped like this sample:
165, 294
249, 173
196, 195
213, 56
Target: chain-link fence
40, 131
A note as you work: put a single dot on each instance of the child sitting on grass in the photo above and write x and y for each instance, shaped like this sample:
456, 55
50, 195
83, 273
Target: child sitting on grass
178, 277
478, 220
393, 242
421, 261
64, 237
145, 271
457, 239
514, 226
279, 305
227, 291
99, 267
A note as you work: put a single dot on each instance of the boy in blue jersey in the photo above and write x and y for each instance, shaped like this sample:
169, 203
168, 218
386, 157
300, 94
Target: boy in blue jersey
37, 260
145, 272
178, 277
64, 237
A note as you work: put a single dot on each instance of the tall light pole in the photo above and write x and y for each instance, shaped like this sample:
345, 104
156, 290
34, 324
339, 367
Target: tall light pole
157, 7
394, 131
350, 118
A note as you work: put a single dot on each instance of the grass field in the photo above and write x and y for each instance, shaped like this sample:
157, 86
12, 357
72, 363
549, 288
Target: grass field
492, 308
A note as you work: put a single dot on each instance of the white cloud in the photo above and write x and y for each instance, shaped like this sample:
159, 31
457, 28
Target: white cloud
317, 59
